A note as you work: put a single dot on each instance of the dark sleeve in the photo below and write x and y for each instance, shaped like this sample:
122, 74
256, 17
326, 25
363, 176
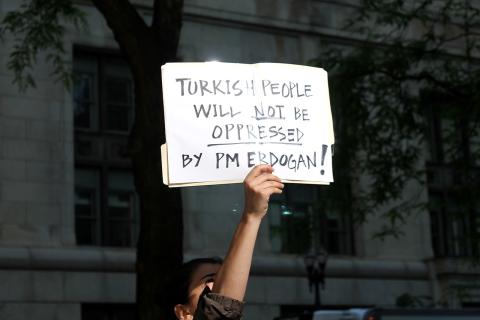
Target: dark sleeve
212, 306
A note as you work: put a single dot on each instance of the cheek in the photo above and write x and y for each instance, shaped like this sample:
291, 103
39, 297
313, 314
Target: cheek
194, 295
196, 292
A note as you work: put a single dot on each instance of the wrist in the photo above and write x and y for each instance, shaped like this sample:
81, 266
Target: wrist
251, 218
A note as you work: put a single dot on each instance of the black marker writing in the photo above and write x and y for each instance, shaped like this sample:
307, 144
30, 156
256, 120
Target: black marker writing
227, 159
220, 87
324, 152
301, 114
187, 159
214, 111
251, 142
292, 161
249, 132
286, 89
269, 112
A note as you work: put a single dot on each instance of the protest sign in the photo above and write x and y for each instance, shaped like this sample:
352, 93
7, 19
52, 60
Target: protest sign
221, 119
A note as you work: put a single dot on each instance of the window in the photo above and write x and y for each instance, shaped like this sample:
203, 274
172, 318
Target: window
453, 179
301, 220
106, 206
105, 215
103, 93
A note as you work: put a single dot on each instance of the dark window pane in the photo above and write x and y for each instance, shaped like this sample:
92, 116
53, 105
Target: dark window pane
120, 205
83, 89
83, 100
452, 232
333, 241
301, 194
118, 118
85, 222
84, 203
296, 233
118, 150
85, 230
121, 210
82, 114
86, 206
83, 148
119, 103
120, 234
333, 224
119, 91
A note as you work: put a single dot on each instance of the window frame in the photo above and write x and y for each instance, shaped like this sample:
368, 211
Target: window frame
317, 221
106, 155
443, 181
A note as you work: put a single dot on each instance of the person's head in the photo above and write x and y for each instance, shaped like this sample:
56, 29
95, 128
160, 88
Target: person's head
187, 285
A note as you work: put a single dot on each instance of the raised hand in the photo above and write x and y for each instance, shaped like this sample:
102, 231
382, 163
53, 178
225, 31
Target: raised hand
259, 185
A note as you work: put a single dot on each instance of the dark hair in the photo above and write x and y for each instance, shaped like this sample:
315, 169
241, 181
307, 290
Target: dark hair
177, 288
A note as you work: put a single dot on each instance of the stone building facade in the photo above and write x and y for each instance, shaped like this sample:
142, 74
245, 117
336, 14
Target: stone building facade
68, 210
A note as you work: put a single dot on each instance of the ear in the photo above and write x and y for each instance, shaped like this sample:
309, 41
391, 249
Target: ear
182, 312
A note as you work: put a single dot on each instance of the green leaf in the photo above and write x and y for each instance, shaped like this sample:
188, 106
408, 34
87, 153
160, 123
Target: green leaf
37, 27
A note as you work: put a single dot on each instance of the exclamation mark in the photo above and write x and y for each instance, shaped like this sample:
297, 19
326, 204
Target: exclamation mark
324, 153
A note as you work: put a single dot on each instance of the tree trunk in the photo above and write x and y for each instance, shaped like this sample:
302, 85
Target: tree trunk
160, 244
159, 249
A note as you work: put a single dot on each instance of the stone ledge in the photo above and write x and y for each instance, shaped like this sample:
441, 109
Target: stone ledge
123, 260
456, 266
67, 259
344, 268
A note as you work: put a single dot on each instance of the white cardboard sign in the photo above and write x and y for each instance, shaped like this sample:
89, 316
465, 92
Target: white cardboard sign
221, 119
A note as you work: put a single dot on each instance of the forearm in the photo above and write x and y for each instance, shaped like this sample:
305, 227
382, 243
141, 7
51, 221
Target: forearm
232, 278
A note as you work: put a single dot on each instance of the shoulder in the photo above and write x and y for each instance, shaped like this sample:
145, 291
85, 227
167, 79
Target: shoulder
215, 306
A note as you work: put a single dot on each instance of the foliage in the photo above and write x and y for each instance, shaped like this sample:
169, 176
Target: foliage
415, 59
408, 300
38, 25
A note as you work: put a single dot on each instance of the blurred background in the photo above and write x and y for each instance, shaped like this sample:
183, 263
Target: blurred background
399, 227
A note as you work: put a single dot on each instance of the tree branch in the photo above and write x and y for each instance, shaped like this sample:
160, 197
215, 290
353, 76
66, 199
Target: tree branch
127, 25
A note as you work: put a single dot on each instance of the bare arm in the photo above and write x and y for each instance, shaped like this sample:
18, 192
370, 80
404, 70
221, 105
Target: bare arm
232, 278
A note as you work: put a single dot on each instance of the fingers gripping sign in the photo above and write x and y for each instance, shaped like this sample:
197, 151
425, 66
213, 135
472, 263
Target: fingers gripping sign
259, 185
